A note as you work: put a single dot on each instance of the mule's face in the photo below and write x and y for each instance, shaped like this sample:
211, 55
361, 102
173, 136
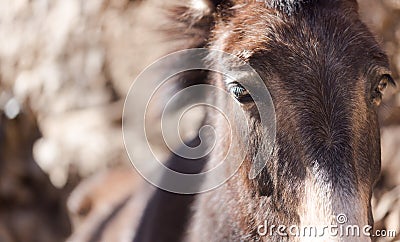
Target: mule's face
325, 73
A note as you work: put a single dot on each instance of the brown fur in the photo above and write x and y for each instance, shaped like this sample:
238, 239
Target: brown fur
321, 65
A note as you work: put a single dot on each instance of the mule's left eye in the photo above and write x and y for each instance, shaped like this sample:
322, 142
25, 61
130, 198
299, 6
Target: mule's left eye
381, 87
239, 92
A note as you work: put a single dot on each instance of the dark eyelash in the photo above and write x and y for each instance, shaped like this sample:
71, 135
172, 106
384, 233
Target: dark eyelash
240, 93
389, 79
237, 90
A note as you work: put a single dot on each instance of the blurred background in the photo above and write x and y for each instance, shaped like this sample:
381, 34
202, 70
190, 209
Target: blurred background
65, 69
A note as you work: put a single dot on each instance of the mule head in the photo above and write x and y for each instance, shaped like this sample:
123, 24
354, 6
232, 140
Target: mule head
326, 74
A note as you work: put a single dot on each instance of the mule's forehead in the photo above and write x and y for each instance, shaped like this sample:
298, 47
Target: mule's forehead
316, 33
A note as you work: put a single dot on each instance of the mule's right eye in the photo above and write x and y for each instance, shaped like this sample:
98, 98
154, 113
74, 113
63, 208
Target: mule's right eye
239, 92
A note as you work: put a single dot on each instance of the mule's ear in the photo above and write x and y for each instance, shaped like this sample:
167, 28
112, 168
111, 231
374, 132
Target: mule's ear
192, 21
204, 6
208, 5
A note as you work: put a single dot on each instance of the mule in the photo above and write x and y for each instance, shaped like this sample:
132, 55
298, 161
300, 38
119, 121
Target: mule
326, 74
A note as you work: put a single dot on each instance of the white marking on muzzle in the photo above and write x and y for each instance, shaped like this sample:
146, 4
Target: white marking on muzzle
322, 204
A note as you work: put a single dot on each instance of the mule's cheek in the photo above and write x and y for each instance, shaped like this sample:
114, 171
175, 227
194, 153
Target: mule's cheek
368, 158
376, 156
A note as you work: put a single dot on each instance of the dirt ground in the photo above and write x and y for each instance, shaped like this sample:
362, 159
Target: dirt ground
65, 69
